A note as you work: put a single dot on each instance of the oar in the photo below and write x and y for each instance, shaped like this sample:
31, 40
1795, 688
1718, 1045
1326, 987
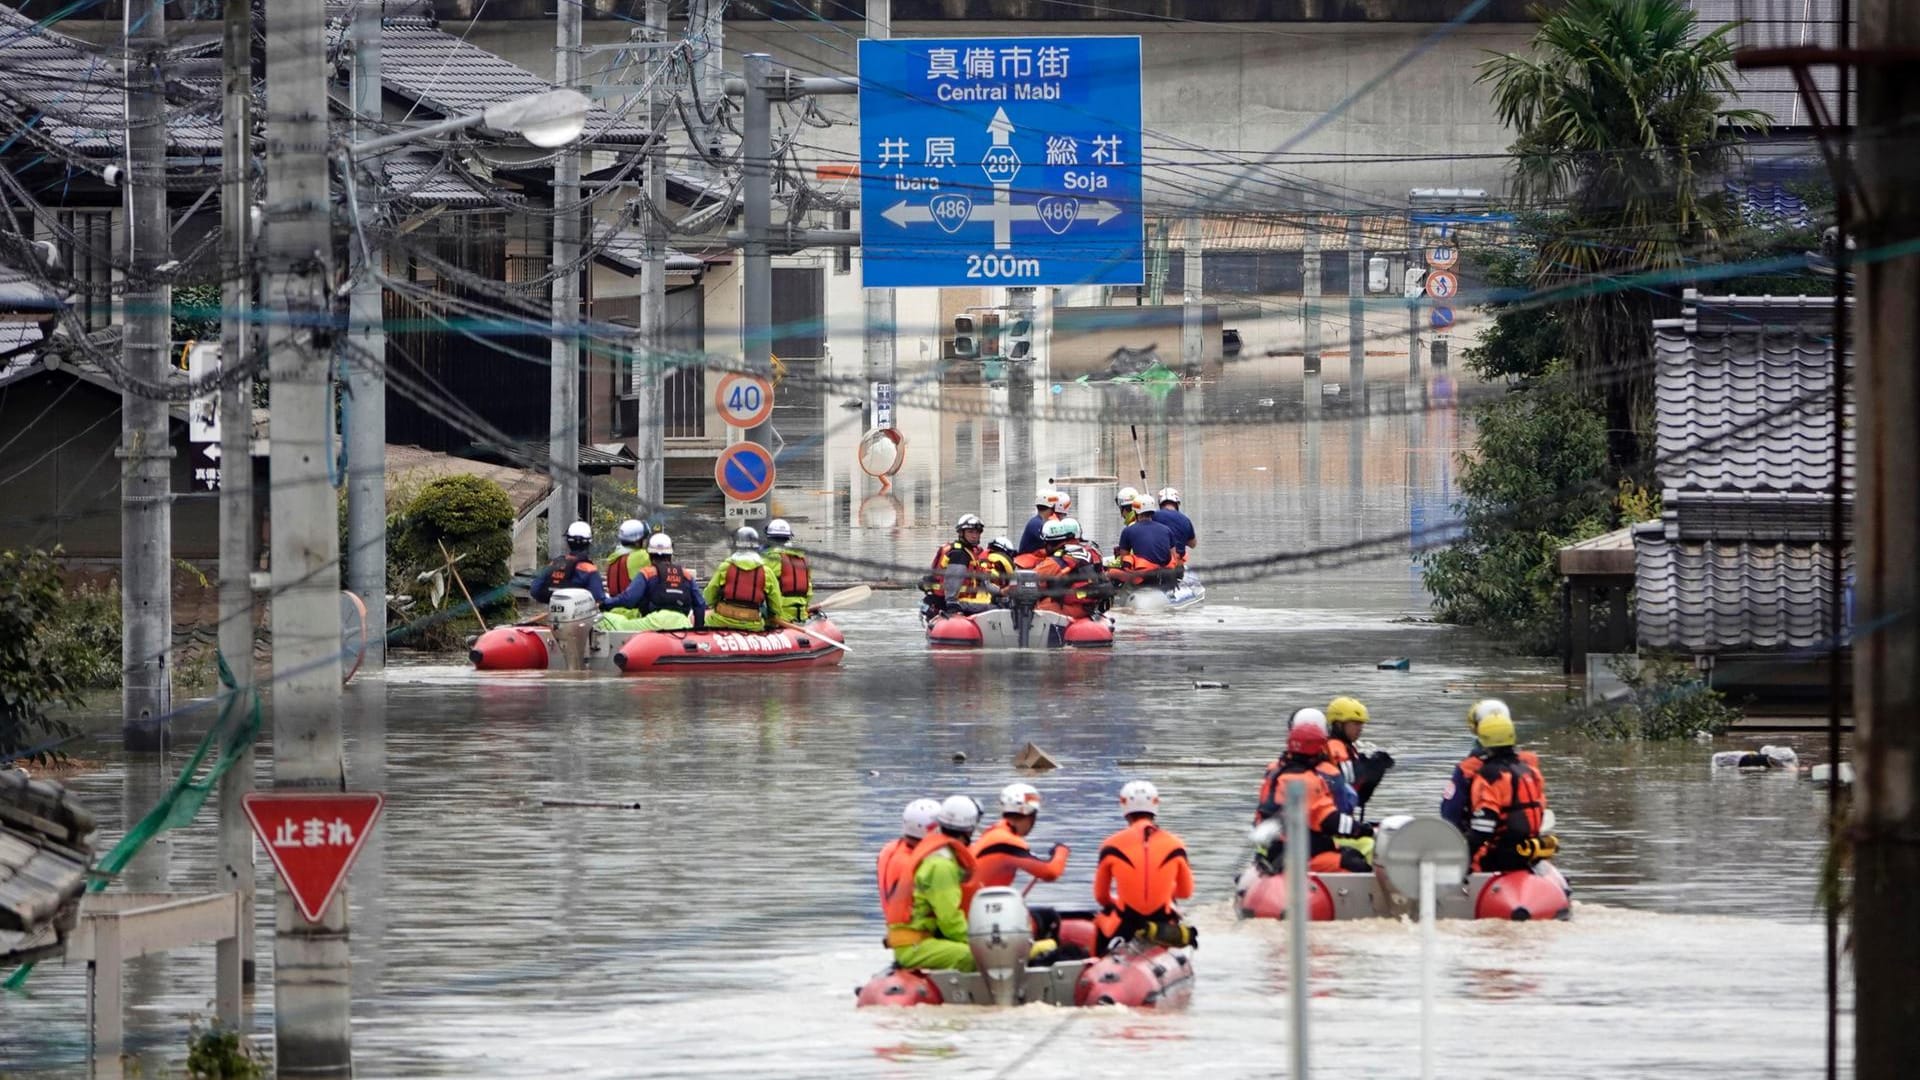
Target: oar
844, 598
816, 637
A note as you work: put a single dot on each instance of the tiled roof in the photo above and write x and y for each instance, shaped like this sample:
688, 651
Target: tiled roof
46, 845
423, 178
72, 95
446, 75
1699, 596
1744, 401
621, 249
1769, 206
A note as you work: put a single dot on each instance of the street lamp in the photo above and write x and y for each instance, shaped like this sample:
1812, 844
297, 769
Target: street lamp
547, 120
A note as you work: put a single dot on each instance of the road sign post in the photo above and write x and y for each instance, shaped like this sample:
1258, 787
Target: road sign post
949, 124
313, 839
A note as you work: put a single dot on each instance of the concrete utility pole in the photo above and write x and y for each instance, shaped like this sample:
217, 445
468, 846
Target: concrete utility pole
880, 363
1310, 292
649, 370
1356, 309
1193, 333
563, 415
311, 991
1886, 803
708, 34
756, 318
233, 959
1019, 457
366, 369
146, 450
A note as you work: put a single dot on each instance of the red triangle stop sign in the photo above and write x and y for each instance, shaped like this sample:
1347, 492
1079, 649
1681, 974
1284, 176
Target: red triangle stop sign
312, 839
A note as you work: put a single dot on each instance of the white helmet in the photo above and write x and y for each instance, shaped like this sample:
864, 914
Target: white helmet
661, 544
778, 529
1168, 495
1071, 526
918, 818
579, 530
1312, 718
633, 531
1124, 498
1044, 500
959, 812
1140, 797
968, 521
1020, 799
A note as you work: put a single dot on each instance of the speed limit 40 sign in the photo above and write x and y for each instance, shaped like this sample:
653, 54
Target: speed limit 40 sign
744, 401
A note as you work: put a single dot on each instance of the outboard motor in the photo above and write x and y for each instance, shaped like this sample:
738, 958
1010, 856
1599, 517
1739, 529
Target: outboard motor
1022, 595
571, 613
1001, 937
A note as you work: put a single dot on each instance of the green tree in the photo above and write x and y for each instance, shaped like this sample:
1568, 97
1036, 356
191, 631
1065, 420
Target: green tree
1534, 485
473, 517
1618, 120
38, 669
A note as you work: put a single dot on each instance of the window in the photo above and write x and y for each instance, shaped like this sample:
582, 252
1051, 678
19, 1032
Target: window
86, 250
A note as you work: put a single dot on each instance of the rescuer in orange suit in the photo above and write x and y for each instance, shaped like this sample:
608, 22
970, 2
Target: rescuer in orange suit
947, 578
1002, 851
1143, 870
1070, 576
1329, 818
895, 864
1508, 804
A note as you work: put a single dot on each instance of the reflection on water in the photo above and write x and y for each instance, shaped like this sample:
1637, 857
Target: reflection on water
721, 928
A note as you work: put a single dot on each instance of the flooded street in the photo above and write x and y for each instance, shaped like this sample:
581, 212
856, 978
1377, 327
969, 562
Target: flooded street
721, 928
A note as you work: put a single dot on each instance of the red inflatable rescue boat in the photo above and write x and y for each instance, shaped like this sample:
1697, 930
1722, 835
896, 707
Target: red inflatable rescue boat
1518, 895
1007, 628
510, 648
1000, 934
661, 652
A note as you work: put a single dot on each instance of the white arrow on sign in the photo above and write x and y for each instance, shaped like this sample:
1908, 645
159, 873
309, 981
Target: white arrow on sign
212, 450
1000, 128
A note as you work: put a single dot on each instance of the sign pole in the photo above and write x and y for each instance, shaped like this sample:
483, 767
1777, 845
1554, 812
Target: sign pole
1297, 919
756, 317
882, 337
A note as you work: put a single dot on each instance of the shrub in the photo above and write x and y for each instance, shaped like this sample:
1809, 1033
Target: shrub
473, 517
37, 668
1667, 700
219, 1053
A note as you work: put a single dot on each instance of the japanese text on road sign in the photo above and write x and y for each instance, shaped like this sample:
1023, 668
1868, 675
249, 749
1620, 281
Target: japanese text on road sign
1009, 161
312, 839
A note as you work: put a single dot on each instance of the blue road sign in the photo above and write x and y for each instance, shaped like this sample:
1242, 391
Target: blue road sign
1000, 161
1441, 317
744, 471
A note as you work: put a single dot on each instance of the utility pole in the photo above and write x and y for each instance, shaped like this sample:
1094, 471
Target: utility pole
146, 449
882, 337
1193, 331
233, 958
708, 34
1356, 309
366, 368
1019, 458
312, 986
1886, 811
757, 163
1310, 293
649, 366
563, 415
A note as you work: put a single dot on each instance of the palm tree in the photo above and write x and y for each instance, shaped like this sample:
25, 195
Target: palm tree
1621, 131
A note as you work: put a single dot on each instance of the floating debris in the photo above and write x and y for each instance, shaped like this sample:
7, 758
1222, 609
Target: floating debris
1398, 663
1032, 757
1203, 684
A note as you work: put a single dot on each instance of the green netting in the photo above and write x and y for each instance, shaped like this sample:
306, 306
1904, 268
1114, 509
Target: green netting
188, 795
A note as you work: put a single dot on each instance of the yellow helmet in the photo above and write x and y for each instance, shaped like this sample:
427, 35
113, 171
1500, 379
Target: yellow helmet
1497, 730
1484, 708
1346, 710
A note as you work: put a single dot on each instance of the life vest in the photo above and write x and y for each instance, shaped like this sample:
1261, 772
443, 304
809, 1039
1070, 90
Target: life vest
620, 572
743, 591
1514, 790
672, 589
1144, 868
997, 567
1273, 787
898, 905
889, 867
565, 567
1030, 561
954, 551
796, 580
1324, 818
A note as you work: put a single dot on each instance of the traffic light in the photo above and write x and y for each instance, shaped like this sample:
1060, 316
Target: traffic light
966, 343
1016, 336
